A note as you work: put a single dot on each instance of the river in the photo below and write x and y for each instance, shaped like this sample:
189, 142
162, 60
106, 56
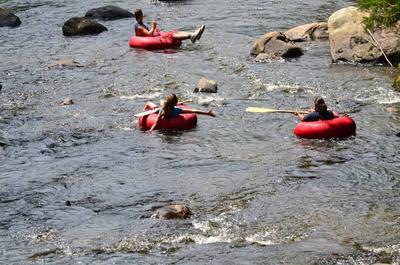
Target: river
258, 194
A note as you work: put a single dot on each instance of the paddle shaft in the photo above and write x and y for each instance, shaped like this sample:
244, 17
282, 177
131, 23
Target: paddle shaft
266, 110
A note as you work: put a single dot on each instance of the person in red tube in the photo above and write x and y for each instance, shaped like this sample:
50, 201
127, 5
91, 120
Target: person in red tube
320, 112
169, 109
142, 30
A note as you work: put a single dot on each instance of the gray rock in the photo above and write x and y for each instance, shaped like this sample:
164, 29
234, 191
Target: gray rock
68, 101
312, 31
274, 45
66, 62
173, 211
206, 86
82, 26
350, 42
396, 82
4, 141
8, 19
108, 13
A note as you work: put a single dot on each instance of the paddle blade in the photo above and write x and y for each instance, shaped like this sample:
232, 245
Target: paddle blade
146, 113
265, 110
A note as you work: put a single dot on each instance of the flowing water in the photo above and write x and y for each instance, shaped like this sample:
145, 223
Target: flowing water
259, 195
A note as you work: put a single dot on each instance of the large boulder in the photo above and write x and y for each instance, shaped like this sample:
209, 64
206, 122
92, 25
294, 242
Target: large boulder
312, 31
108, 13
8, 19
274, 45
173, 211
350, 42
82, 26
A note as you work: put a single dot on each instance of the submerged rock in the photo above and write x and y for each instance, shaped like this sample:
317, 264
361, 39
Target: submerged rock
8, 19
274, 45
173, 211
206, 86
396, 82
108, 13
82, 26
350, 42
65, 62
68, 101
398, 134
312, 31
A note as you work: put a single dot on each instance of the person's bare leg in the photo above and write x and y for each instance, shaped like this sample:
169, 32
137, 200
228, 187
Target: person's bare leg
149, 105
182, 35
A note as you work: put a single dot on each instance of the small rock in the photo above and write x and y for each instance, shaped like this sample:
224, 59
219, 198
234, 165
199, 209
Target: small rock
67, 101
396, 83
4, 141
82, 26
8, 19
1, 86
68, 203
108, 13
65, 62
171, 85
173, 211
398, 134
206, 86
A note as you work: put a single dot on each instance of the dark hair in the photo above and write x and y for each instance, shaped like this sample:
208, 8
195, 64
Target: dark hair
169, 105
138, 13
320, 106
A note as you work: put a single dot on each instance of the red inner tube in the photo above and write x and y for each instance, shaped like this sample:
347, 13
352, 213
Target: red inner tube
183, 121
325, 129
164, 41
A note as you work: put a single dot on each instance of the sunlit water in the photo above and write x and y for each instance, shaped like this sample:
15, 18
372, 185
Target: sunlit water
259, 195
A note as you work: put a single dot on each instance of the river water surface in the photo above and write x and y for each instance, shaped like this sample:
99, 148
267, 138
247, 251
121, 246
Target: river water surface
259, 195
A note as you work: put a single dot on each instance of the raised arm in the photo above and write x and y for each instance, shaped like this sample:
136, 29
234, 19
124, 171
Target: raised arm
150, 32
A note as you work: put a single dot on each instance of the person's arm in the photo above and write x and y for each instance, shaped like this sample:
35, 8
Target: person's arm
301, 117
209, 112
150, 32
156, 123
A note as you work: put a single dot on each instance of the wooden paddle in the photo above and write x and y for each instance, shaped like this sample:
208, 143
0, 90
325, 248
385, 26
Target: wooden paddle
265, 110
145, 113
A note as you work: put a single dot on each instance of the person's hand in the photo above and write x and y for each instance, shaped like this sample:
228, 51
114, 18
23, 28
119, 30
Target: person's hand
296, 113
154, 24
209, 112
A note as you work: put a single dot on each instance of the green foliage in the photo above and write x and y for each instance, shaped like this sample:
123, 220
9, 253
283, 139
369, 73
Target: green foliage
382, 12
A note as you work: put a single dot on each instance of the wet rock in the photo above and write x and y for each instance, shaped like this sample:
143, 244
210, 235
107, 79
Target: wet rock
8, 19
82, 26
398, 134
396, 83
206, 86
312, 31
108, 13
4, 141
173, 211
68, 101
275, 45
68, 203
67, 62
350, 42
1, 86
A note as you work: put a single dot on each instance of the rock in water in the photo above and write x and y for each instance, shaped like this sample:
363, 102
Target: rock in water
206, 86
312, 31
274, 45
173, 211
82, 26
108, 13
396, 83
8, 19
68, 101
350, 42
398, 134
